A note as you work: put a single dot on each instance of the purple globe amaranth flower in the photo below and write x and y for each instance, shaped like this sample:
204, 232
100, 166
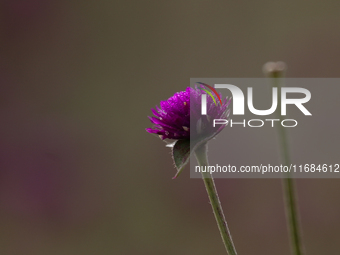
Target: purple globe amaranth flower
180, 117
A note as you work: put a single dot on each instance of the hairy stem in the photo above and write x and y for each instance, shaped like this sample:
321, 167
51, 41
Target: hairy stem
201, 156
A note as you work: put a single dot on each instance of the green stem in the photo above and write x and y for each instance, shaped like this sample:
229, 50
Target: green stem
201, 156
289, 186
290, 197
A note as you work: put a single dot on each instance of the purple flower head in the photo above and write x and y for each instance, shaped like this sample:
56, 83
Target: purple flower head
180, 117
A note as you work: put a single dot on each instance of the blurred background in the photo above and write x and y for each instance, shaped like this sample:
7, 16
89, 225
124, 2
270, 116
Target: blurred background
78, 172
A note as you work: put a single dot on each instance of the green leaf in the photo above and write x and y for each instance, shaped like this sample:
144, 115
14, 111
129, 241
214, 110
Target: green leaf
181, 150
181, 154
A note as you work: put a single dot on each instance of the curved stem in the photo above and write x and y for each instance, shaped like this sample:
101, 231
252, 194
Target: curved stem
201, 156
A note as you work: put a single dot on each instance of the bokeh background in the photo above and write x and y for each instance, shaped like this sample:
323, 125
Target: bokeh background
78, 172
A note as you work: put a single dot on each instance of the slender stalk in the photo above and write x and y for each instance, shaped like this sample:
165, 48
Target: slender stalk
201, 156
290, 196
292, 214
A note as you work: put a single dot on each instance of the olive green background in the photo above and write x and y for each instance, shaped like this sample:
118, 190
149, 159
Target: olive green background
78, 172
